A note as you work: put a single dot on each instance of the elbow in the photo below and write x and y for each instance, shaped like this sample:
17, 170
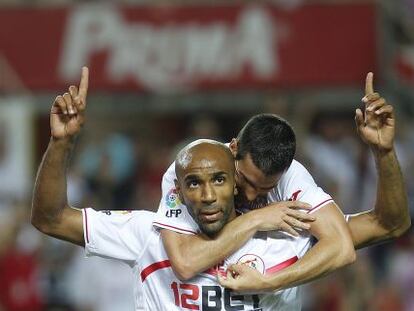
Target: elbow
36, 222
401, 229
40, 225
182, 270
346, 254
349, 256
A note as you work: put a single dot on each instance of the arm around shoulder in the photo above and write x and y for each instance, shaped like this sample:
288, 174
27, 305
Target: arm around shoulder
333, 250
191, 254
331, 229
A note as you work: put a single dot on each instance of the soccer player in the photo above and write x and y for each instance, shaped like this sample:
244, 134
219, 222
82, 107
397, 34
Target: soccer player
125, 236
266, 173
52, 215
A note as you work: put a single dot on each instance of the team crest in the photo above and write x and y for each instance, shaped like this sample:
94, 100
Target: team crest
172, 200
253, 261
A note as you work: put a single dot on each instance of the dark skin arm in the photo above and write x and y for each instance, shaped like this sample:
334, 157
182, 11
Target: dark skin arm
51, 213
390, 218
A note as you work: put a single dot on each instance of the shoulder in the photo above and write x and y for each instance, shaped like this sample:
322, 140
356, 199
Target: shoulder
295, 180
120, 217
170, 172
296, 168
295, 172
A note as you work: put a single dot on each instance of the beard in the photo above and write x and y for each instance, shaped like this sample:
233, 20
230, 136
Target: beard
213, 228
243, 205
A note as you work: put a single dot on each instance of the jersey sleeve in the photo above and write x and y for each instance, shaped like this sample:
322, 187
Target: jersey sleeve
172, 214
298, 184
120, 235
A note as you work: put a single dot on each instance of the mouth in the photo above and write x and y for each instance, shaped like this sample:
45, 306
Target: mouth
211, 216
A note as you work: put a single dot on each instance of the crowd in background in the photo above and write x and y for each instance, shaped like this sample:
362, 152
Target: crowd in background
119, 162
123, 169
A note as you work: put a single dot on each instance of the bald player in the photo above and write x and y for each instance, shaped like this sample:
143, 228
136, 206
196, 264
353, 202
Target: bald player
52, 215
266, 174
124, 235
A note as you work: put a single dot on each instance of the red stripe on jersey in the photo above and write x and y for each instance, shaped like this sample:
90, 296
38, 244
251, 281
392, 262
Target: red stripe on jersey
215, 271
154, 267
173, 228
281, 265
315, 207
86, 226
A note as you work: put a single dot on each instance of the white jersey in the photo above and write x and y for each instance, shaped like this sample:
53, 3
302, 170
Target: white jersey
131, 238
295, 184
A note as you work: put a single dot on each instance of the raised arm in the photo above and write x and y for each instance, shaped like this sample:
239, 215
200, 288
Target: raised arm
51, 213
390, 218
192, 254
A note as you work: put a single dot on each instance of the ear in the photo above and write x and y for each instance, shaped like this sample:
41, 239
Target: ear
233, 146
178, 188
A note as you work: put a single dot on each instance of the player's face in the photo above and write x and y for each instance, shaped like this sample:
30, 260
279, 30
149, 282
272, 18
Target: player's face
207, 189
252, 184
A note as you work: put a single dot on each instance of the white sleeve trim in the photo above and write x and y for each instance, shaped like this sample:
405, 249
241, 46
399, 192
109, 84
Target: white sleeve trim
320, 205
89, 245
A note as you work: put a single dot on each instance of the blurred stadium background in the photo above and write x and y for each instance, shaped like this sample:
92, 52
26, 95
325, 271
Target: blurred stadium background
165, 72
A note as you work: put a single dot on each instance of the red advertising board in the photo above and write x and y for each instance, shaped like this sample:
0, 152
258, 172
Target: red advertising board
196, 47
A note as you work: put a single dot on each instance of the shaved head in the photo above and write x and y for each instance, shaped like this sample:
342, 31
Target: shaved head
205, 183
206, 151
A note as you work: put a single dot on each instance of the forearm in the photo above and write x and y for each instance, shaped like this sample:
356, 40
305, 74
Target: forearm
49, 196
390, 218
192, 254
391, 207
324, 257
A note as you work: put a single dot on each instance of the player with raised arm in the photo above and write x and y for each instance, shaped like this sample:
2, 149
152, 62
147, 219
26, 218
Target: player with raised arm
286, 179
109, 236
389, 219
128, 236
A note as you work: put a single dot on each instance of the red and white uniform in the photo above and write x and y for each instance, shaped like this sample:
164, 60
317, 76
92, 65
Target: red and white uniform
131, 238
295, 184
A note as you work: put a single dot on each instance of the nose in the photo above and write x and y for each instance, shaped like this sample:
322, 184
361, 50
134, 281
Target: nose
208, 195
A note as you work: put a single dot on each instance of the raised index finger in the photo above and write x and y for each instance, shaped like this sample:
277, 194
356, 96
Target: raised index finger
83, 85
369, 84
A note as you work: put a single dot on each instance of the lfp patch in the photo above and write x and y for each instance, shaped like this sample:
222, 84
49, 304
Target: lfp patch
172, 198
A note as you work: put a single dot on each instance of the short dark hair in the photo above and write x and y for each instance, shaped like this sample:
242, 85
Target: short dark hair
270, 141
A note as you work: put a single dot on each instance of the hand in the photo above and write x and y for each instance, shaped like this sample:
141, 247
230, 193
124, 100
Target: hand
283, 216
377, 125
242, 278
67, 113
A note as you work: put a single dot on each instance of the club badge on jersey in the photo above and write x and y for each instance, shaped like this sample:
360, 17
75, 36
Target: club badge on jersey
253, 261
